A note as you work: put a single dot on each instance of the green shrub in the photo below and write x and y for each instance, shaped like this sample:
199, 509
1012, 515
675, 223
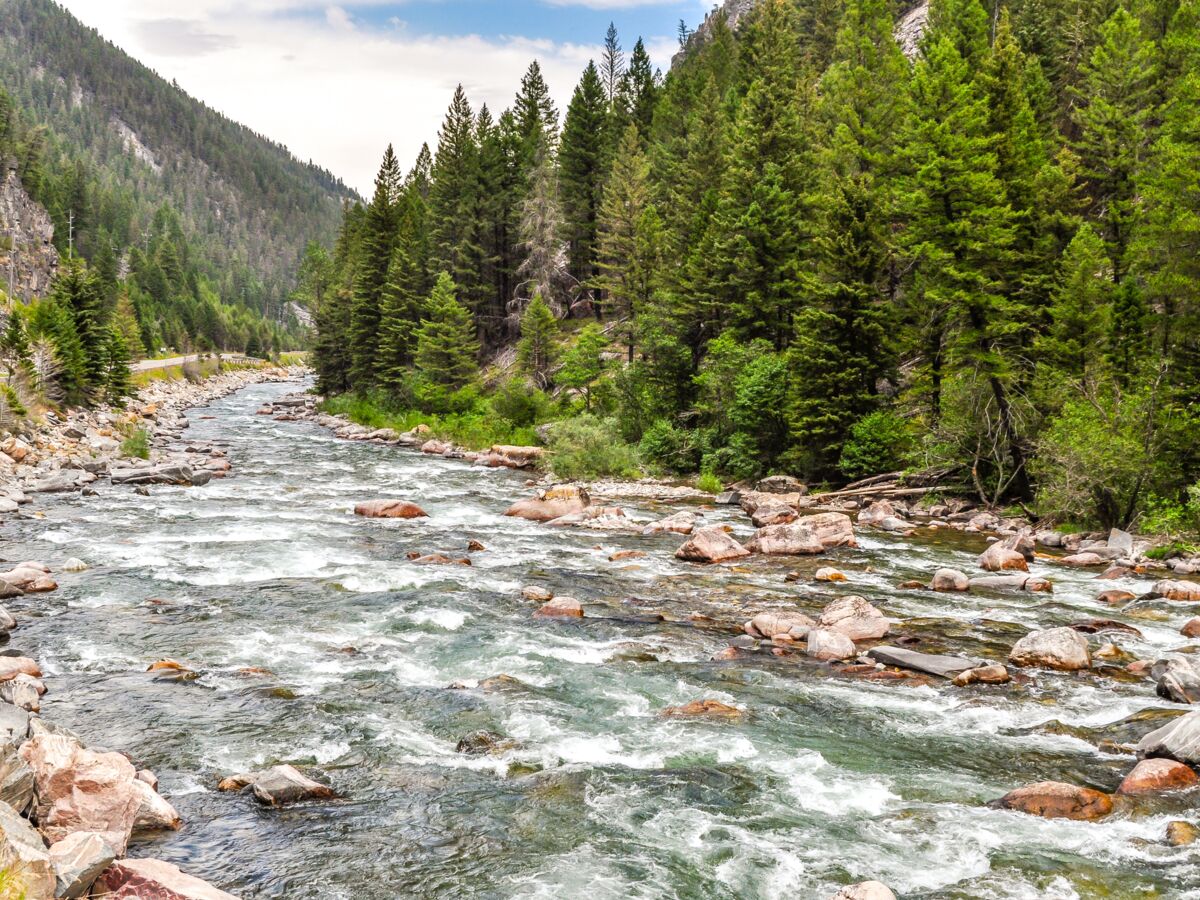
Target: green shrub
519, 403
12, 401
739, 458
1171, 550
137, 443
670, 448
588, 447
879, 442
709, 483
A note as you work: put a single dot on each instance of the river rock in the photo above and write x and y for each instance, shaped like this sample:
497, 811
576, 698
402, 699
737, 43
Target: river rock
286, 784
998, 558
1056, 800
855, 618
865, 890
1181, 834
27, 873
436, 448
390, 509
929, 663
1191, 628
485, 743
7, 622
78, 859
806, 536
1083, 560
536, 594
23, 691
1179, 740
683, 522
155, 813
61, 481
554, 503
562, 608
711, 545
164, 474
876, 513
1115, 596
993, 674
504, 456
12, 666
1156, 775
1178, 678
153, 879
22, 576
1120, 541
774, 622
773, 513
827, 573
74, 565
1054, 648
1000, 582
949, 580
827, 645
14, 725
708, 709
1186, 591
781, 484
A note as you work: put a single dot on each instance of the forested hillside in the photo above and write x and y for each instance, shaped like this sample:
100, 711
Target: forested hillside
802, 251
209, 217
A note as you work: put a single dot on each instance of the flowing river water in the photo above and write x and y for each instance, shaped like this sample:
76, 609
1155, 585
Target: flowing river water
826, 780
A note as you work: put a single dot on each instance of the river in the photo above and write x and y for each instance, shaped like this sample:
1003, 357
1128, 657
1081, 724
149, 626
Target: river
827, 780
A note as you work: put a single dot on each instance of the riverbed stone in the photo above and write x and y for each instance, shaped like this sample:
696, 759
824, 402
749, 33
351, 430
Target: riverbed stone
287, 784
12, 666
711, 545
485, 743
23, 691
949, 581
683, 522
536, 593
828, 645
24, 859
865, 890
1000, 582
1085, 560
1183, 591
877, 513
560, 608
773, 512
1114, 596
929, 663
993, 674
1178, 677
855, 618
78, 859
706, 709
153, 879
1181, 834
828, 573
1179, 740
808, 535
1156, 775
389, 509
998, 558
1057, 800
1191, 628
774, 622
1054, 648
553, 503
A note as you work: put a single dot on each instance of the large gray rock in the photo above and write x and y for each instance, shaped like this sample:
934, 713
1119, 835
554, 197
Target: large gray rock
286, 784
827, 645
60, 481
711, 545
855, 618
950, 581
78, 860
24, 860
1178, 740
1055, 648
164, 474
1121, 541
808, 535
14, 725
930, 663
1178, 678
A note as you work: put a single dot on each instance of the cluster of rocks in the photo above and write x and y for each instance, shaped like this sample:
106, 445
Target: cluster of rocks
71, 453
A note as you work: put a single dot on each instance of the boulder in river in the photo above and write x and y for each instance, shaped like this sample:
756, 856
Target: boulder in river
1083, 560
12, 666
287, 784
1156, 775
828, 645
827, 573
1181, 834
808, 535
78, 860
153, 879
553, 503
683, 522
1191, 628
855, 618
1054, 648
1178, 677
949, 581
536, 593
1114, 596
1185, 591
168, 473
711, 545
27, 872
1179, 740
774, 622
560, 608
507, 457
1057, 800
485, 743
865, 890
998, 558
707, 709
389, 509
877, 513
781, 484
773, 512
929, 663
993, 674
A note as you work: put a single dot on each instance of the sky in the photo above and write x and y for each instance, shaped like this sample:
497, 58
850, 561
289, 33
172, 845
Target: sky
336, 83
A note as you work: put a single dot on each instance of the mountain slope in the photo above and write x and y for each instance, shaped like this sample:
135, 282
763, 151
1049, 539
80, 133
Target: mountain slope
244, 203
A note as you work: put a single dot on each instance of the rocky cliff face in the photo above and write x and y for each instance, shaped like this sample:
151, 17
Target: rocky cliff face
27, 255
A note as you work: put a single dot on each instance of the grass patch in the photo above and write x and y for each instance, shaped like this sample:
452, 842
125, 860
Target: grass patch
136, 443
1171, 550
475, 429
709, 483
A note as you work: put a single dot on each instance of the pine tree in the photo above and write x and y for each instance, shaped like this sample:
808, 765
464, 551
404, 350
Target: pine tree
544, 269
446, 345
641, 89
612, 64
118, 382
581, 172
537, 351
378, 242
584, 363
535, 113
1082, 312
78, 292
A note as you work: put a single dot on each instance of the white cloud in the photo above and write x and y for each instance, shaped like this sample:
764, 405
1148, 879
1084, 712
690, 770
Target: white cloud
330, 89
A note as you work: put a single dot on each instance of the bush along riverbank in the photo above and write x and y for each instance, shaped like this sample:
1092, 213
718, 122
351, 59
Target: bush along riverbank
68, 811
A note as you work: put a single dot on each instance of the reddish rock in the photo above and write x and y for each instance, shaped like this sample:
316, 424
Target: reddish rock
558, 501
855, 618
1083, 560
561, 607
773, 512
829, 574
711, 545
12, 666
998, 558
1154, 775
683, 522
1115, 596
995, 674
1185, 591
711, 709
1191, 628
153, 879
1181, 834
508, 457
390, 509
806, 536
1056, 800
626, 554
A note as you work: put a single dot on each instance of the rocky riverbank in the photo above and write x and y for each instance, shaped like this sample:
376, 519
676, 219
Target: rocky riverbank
67, 810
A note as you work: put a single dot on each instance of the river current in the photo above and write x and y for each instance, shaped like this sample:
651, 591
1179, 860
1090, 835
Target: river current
826, 780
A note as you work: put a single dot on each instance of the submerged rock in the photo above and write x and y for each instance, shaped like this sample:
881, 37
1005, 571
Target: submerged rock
929, 663
485, 743
1180, 834
1055, 648
153, 879
711, 545
865, 890
712, 709
1056, 800
389, 509
1155, 775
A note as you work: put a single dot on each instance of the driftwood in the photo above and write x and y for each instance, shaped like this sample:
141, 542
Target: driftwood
874, 479
878, 492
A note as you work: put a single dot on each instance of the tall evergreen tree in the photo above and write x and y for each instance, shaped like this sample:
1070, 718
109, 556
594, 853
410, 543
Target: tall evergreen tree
612, 64
581, 172
446, 345
536, 351
378, 243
